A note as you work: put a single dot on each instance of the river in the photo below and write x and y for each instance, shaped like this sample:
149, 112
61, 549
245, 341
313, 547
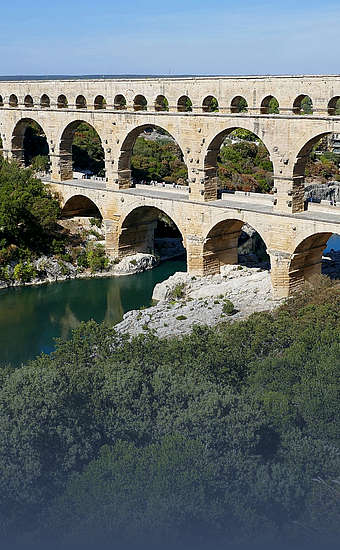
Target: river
31, 317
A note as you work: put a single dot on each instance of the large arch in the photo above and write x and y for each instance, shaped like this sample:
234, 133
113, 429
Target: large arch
19, 147
65, 147
80, 205
222, 245
306, 262
124, 161
213, 150
137, 230
302, 154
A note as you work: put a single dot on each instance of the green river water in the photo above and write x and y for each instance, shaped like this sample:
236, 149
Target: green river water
31, 317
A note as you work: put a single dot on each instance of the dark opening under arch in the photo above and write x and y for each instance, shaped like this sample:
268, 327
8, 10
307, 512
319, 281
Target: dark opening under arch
80, 205
81, 150
29, 144
148, 229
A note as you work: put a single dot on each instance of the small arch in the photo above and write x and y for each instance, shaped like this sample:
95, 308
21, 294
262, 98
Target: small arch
13, 100
161, 103
62, 102
334, 106
143, 226
99, 102
1, 101
184, 104
80, 205
81, 102
45, 102
140, 103
303, 105
210, 104
28, 101
270, 106
239, 105
119, 102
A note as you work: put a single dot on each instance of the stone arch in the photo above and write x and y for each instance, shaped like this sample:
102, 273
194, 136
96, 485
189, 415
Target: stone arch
124, 161
239, 105
270, 106
334, 106
99, 102
303, 105
28, 101
161, 103
210, 104
62, 102
45, 102
65, 147
13, 100
221, 245
137, 230
140, 103
184, 104
81, 102
18, 137
303, 155
119, 102
80, 205
211, 155
305, 264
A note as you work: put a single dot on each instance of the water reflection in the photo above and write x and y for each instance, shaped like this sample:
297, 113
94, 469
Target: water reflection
31, 317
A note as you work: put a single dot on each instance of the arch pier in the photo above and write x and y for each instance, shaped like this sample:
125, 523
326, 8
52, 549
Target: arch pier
289, 114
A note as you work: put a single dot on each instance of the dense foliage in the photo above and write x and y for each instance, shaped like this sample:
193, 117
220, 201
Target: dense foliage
87, 150
245, 165
158, 160
227, 435
28, 213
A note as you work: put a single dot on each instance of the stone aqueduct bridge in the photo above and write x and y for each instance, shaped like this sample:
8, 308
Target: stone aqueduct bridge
120, 109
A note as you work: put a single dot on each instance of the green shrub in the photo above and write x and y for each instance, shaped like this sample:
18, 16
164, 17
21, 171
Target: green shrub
24, 272
228, 307
181, 318
178, 291
97, 222
82, 260
97, 260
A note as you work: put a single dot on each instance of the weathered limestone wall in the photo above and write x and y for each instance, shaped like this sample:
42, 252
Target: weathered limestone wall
288, 137
210, 232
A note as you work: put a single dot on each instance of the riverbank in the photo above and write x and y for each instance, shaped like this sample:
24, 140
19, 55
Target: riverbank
184, 301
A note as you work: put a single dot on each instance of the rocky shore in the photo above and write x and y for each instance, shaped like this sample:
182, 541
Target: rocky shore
184, 301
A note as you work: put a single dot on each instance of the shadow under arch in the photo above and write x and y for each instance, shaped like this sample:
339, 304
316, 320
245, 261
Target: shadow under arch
142, 226
82, 206
212, 153
304, 152
306, 264
66, 147
28, 140
126, 151
233, 241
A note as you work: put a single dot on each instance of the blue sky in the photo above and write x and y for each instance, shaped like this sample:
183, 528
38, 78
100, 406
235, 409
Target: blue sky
160, 37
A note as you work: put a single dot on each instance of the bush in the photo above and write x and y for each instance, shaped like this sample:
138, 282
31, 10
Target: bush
97, 222
97, 260
24, 272
228, 308
178, 292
